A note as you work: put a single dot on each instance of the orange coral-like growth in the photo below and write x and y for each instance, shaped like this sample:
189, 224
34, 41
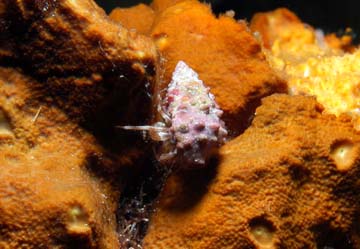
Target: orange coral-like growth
312, 63
286, 36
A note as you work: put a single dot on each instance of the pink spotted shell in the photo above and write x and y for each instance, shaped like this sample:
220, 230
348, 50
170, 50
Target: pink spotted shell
196, 126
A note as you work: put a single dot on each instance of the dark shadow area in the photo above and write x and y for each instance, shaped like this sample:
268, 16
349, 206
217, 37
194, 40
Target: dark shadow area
137, 201
330, 16
141, 194
108, 5
188, 187
327, 238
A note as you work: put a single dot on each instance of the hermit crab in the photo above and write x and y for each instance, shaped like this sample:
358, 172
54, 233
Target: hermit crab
191, 128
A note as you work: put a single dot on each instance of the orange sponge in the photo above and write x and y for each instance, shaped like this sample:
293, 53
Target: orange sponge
222, 51
139, 17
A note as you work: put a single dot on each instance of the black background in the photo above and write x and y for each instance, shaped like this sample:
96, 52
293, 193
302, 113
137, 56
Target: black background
331, 16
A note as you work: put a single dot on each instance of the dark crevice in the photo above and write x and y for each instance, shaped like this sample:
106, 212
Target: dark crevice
142, 191
327, 238
138, 201
299, 174
190, 186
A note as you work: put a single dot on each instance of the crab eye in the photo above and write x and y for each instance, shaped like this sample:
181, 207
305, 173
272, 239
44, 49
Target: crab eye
159, 135
183, 128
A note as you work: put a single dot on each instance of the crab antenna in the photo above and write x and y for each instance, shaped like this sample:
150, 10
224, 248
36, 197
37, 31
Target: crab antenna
140, 127
156, 133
